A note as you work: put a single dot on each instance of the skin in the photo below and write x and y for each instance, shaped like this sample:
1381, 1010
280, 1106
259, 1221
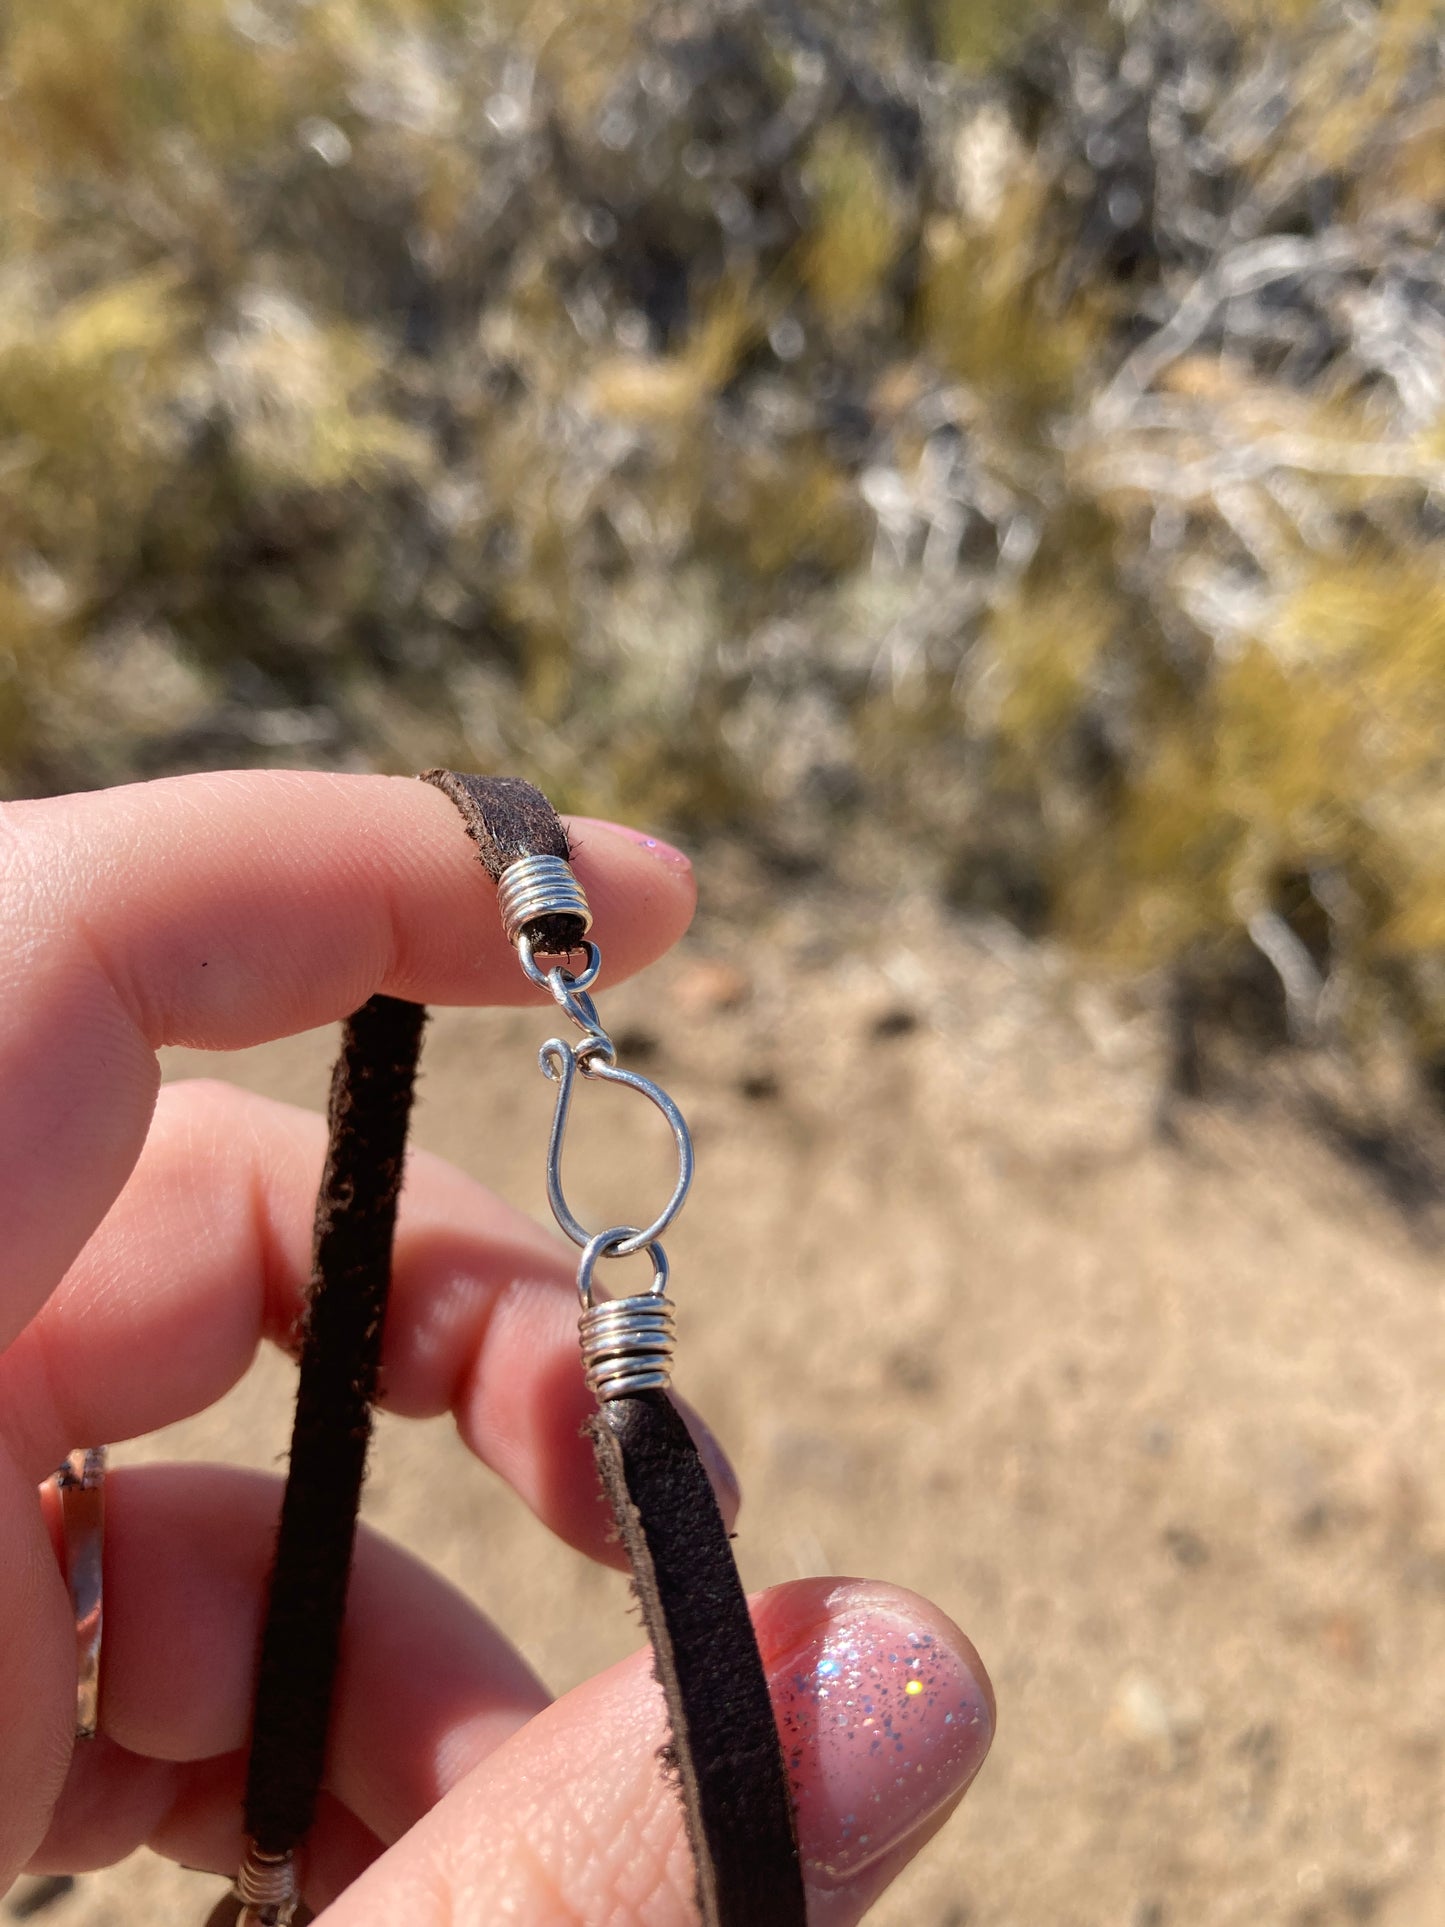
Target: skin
155, 1238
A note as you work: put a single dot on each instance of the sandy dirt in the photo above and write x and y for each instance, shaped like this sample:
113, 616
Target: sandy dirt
1160, 1423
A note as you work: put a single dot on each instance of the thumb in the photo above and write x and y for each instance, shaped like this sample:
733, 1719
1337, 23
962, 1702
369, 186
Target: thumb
885, 1715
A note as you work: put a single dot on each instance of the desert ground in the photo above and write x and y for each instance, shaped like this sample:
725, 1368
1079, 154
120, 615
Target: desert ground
1156, 1414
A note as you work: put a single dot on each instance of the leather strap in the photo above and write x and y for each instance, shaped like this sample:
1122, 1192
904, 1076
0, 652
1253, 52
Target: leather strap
340, 1356
724, 1751
507, 820
724, 1747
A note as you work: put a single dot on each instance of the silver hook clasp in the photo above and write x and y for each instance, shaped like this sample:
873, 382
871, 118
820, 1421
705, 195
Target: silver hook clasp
562, 1062
626, 1342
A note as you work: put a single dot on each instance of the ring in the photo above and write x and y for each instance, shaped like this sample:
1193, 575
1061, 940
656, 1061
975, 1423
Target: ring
80, 1483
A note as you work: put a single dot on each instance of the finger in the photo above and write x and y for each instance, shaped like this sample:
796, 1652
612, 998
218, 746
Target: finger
37, 1672
426, 1689
193, 1814
885, 1715
208, 1249
222, 910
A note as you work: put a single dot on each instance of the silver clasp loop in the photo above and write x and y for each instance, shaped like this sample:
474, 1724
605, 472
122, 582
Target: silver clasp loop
556, 979
561, 1062
626, 1343
571, 996
618, 1243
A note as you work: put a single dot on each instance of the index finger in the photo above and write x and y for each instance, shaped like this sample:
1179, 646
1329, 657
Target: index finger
219, 911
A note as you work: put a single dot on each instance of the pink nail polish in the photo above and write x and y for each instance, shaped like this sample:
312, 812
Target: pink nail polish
881, 1723
654, 845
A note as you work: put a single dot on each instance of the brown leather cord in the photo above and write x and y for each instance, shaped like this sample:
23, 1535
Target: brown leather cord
724, 1740
507, 819
724, 1751
371, 1094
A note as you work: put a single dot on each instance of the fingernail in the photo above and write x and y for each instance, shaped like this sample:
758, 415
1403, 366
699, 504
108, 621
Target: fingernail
654, 845
716, 1463
882, 1722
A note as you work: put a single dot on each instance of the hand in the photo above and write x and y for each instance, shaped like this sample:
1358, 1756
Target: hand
152, 1241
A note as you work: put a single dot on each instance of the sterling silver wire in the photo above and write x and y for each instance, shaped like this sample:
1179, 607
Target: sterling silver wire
267, 1888
540, 886
564, 1063
627, 1345
627, 1342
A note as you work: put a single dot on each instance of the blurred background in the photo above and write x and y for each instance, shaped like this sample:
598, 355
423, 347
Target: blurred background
974, 473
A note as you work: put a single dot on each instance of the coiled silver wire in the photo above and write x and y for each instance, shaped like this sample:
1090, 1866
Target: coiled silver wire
266, 1886
540, 886
627, 1345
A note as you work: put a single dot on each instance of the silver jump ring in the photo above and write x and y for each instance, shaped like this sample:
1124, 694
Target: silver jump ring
576, 1004
582, 980
620, 1242
596, 1047
81, 1485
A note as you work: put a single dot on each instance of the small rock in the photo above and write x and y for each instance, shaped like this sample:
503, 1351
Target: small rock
1187, 1547
711, 984
1346, 1638
759, 1087
913, 1370
1144, 1714
635, 1045
898, 1022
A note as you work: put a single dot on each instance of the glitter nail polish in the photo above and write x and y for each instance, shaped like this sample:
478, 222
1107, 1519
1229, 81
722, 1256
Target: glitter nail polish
881, 1723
